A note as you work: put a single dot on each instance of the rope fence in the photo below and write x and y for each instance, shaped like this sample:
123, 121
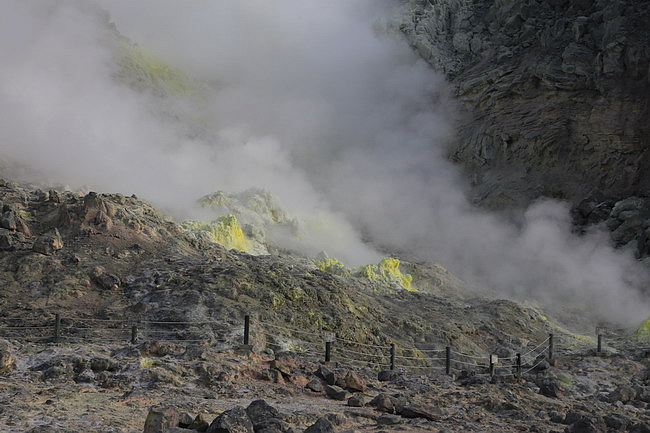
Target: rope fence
324, 346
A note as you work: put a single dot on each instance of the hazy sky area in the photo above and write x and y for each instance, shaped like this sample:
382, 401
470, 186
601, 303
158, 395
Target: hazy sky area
315, 101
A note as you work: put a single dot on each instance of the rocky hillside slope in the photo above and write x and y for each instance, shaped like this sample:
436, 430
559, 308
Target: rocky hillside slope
107, 256
105, 262
556, 95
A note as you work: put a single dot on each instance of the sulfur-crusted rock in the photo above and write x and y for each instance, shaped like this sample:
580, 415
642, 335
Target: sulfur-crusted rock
199, 424
7, 357
353, 382
48, 243
104, 279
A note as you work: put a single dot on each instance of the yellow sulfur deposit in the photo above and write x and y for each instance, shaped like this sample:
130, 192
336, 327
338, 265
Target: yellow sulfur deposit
369, 272
146, 362
333, 266
225, 231
644, 329
387, 271
145, 69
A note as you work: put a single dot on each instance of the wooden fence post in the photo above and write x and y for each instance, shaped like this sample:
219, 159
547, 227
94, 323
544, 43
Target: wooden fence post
550, 349
247, 328
134, 334
600, 343
57, 327
519, 366
392, 356
448, 360
328, 351
492, 365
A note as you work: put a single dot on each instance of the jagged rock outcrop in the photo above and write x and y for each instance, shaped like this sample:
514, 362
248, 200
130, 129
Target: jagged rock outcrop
555, 92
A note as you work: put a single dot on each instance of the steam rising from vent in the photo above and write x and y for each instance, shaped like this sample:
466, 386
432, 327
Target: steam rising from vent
318, 102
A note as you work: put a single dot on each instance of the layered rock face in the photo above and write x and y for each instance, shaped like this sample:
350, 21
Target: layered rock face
555, 93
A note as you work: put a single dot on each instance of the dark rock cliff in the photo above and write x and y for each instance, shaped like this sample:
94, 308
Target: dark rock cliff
556, 93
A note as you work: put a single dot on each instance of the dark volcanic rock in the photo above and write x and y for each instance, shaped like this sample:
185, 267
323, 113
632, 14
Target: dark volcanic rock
160, 420
315, 385
640, 427
615, 421
389, 420
322, 425
573, 416
388, 375
235, 420
383, 403
419, 411
585, 425
322, 372
550, 388
623, 394
185, 419
263, 415
356, 401
335, 392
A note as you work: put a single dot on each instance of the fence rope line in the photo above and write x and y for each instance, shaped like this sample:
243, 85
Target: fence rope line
89, 330
150, 322
300, 352
336, 349
25, 327
83, 340
411, 357
422, 367
361, 344
94, 328
467, 355
533, 358
90, 319
534, 366
269, 334
508, 358
436, 359
278, 338
291, 329
431, 350
363, 362
535, 348
471, 364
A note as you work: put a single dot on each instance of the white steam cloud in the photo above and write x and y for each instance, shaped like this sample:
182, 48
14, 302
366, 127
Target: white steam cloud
316, 102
